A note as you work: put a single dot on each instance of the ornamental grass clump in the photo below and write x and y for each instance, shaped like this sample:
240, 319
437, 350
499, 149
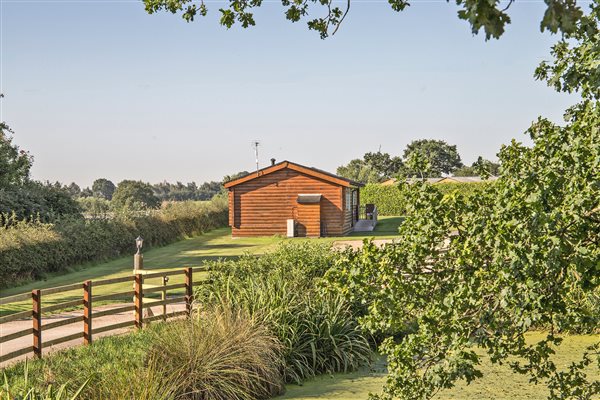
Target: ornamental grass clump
219, 354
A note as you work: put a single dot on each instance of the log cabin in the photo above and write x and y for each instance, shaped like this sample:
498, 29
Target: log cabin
292, 200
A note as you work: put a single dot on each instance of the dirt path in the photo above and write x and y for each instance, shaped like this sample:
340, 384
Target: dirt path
19, 343
357, 244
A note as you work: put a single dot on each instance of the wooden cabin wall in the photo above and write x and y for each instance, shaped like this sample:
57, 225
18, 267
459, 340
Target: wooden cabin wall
263, 205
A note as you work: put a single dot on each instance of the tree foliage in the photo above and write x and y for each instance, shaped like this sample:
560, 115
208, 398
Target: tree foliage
482, 271
385, 165
237, 175
14, 162
523, 253
103, 188
360, 171
191, 191
481, 167
491, 17
34, 200
431, 158
134, 194
576, 65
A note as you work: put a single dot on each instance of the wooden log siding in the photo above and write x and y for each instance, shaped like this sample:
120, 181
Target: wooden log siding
262, 206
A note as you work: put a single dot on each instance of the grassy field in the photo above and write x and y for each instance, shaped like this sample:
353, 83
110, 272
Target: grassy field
191, 252
498, 382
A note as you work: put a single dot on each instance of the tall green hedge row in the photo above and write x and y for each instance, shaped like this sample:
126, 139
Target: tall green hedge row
28, 250
390, 200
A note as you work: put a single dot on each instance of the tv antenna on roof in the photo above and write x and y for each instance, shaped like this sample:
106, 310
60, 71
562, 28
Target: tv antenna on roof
255, 144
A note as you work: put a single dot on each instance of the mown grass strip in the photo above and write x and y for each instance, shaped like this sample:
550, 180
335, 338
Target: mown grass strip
60, 289
17, 297
111, 281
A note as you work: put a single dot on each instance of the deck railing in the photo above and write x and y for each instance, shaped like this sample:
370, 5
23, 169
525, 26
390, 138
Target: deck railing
134, 300
371, 214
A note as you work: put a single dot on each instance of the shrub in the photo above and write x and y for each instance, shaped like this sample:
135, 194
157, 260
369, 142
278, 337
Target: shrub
28, 250
220, 354
281, 289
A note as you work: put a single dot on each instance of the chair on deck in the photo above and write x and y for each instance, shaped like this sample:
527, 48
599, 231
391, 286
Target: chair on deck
369, 209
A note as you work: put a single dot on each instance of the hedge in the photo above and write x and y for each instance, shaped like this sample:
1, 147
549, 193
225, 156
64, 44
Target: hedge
28, 250
390, 199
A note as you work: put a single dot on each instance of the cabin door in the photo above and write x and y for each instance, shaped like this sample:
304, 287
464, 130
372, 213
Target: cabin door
309, 220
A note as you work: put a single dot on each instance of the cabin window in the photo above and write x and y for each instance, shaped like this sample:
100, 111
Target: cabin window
348, 200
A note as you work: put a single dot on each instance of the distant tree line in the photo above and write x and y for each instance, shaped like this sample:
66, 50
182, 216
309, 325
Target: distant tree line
424, 158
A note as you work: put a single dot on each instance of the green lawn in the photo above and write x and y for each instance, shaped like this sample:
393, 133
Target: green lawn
191, 252
498, 382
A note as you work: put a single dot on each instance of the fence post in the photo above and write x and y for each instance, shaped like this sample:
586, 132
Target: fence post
139, 295
189, 290
36, 296
87, 312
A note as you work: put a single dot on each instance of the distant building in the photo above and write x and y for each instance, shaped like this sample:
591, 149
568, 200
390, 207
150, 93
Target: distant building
318, 202
448, 179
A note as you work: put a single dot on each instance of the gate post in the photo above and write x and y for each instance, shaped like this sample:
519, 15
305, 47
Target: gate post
87, 312
36, 296
138, 298
189, 290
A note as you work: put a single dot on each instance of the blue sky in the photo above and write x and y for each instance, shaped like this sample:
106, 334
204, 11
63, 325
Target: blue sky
102, 89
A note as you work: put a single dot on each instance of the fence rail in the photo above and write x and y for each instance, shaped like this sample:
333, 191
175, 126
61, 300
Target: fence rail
137, 303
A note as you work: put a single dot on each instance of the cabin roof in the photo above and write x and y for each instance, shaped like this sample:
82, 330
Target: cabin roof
315, 172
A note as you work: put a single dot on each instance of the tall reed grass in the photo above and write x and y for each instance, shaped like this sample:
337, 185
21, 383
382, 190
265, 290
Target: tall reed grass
281, 289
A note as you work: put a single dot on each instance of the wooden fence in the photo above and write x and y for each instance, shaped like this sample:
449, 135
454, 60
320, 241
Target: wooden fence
136, 299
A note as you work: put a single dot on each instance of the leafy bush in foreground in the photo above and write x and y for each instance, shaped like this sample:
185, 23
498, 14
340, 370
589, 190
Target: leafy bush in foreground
483, 270
30, 249
318, 332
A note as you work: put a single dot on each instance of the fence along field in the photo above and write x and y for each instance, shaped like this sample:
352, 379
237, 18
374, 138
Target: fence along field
135, 301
